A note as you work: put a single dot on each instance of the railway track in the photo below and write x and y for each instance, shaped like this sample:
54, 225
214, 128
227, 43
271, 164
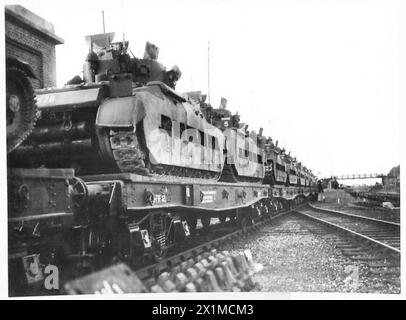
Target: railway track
194, 266
200, 246
377, 198
201, 264
371, 241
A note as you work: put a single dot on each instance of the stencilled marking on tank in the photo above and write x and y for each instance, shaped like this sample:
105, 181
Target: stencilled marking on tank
45, 99
207, 196
226, 121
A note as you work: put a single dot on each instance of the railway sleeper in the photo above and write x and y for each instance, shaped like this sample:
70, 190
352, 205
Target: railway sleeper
211, 271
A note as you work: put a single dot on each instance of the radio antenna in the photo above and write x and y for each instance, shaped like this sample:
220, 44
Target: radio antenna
104, 28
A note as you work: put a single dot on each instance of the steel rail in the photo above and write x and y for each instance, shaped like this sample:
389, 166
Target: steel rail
354, 234
384, 222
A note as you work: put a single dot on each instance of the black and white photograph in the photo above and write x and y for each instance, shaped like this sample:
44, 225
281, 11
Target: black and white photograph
202, 149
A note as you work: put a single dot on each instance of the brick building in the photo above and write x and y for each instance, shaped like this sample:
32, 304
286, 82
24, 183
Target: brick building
33, 40
393, 177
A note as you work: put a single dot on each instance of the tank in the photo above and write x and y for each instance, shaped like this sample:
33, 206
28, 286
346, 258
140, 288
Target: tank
276, 166
126, 116
291, 169
21, 109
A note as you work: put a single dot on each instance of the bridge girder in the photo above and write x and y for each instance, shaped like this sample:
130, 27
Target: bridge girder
359, 176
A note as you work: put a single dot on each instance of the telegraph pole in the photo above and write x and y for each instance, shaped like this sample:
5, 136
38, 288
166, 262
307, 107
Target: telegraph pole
208, 71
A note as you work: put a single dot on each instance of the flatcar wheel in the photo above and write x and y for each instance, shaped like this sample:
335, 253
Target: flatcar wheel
79, 192
222, 219
205, 222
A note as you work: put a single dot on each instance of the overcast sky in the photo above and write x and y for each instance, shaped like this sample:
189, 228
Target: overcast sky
322, 77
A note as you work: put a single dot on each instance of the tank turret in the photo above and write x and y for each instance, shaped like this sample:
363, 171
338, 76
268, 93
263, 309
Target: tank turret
106, 59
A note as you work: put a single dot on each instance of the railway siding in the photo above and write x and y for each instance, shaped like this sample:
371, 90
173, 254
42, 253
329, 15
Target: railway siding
300, 255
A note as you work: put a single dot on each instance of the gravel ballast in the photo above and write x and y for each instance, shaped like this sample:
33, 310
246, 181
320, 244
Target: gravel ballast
296, 260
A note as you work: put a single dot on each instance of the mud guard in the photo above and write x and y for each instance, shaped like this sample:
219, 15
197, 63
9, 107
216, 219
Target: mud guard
11, 61
121, 112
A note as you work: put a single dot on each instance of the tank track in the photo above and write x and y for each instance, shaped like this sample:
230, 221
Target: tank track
126, 152
229, 174
28, 114
249, 179
269, 178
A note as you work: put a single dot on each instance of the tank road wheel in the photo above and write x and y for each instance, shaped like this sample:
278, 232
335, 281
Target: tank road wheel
21, 110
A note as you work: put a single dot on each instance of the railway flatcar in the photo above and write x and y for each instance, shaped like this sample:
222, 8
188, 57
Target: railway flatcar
121, 166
